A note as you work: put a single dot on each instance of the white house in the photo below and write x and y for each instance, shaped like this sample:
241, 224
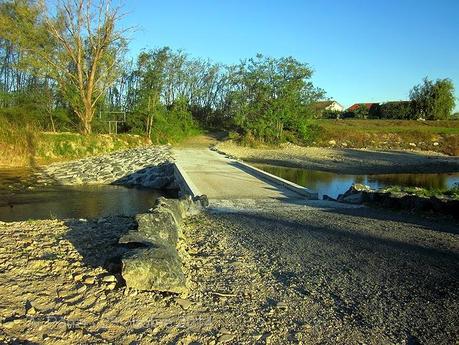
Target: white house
322, 106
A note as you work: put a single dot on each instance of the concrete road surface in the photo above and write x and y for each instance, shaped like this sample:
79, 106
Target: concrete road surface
219, 178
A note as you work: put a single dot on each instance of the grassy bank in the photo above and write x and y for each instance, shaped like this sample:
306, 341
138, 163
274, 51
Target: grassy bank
27, 147
452, 192
438, 136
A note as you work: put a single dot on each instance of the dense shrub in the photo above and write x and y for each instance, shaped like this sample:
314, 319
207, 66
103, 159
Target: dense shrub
332, 114
392, 110
170, 124
433, 100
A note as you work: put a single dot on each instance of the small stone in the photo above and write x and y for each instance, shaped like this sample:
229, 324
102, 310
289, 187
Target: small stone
184, 303
110, 286
282, 305
78, 277
109, 279
31, 311
435, 144
332, 142
89, 281
8, 325
257, 337
225, 338
412, 144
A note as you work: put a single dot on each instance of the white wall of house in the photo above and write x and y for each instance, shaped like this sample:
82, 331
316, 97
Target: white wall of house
335, 106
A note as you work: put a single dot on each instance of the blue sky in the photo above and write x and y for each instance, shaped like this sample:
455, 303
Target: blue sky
361, 51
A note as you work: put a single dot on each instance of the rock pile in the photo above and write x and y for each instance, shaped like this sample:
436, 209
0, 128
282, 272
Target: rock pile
155, 263
362, 194
355, 194
146, 166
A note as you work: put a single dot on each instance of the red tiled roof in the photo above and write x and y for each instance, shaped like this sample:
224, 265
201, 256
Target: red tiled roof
358, 105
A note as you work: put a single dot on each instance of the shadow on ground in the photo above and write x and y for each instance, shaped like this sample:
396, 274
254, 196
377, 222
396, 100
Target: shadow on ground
97, 241
376, 274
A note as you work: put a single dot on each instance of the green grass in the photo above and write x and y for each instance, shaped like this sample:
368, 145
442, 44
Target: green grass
427, 193
65, 146
27, 146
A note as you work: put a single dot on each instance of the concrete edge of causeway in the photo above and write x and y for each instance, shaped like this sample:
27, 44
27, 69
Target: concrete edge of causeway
303, 191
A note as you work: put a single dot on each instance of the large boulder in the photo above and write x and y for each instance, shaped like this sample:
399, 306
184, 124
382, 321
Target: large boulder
355, 194
154, 268
155, 264
159, 227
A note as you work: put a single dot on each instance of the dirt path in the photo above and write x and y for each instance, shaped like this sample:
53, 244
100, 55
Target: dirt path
326, 274
203, 141
347, 161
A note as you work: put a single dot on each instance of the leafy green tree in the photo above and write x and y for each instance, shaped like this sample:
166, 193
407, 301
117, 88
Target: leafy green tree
433, 100
270, 96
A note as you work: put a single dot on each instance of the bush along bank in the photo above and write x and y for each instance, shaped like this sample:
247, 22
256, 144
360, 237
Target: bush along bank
413, 199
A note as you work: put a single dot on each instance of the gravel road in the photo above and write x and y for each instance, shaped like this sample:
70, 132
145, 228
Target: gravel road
327, 274
314, 273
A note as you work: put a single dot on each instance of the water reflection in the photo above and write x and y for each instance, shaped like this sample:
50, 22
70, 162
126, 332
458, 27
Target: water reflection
334, 184
20, 200
17, 178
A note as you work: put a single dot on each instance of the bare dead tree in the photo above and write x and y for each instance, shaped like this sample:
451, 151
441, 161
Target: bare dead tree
87, 53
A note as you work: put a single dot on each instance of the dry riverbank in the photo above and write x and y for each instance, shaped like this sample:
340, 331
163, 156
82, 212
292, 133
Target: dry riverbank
259, 272
349, 161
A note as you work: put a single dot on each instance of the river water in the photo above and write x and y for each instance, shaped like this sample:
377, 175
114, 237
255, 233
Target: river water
21, 199
332, 184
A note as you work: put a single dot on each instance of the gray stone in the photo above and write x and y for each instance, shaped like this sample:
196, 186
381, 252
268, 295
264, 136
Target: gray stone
158, 269
355, 194
145, 166
355, 198
158, 227
157, 266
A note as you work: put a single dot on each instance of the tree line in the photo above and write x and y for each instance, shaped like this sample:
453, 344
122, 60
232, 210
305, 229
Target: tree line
65, 69
429, 100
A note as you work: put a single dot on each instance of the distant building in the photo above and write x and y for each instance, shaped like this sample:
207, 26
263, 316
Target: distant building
385, 110
328, 105
322, 106
356, 106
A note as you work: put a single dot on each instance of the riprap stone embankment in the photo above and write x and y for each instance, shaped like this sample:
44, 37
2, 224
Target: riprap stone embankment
147, 167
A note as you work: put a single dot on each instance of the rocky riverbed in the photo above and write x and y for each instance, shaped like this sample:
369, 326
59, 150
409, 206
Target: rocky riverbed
268, 272
258, 272
145, 166
344, 161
